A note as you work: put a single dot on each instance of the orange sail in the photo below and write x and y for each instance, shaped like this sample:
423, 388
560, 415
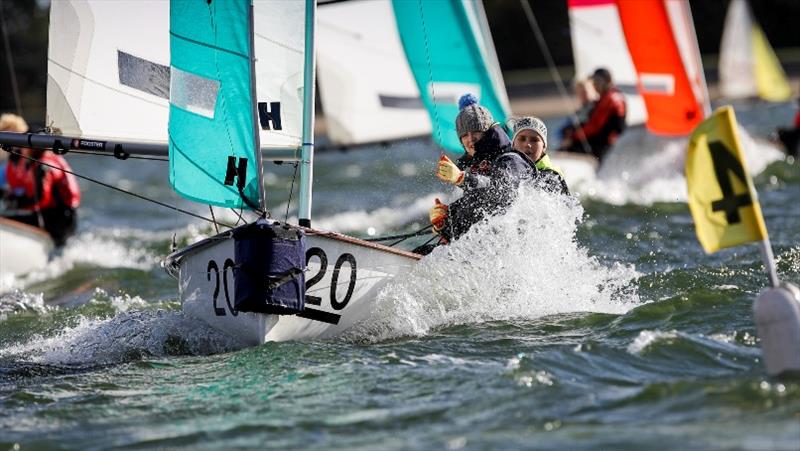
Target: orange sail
663, 48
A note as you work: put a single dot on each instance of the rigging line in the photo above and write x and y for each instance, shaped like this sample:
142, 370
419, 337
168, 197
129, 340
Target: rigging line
551, 65
211, 209
291, 191
132, 157
10, 59
435, 235
421, 231
430, 75
171, 207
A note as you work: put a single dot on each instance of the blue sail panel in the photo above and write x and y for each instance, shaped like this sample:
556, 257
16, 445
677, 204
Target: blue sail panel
443, 43
212, 136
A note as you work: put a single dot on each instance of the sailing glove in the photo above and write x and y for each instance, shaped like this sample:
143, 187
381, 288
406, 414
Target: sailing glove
447, 171
438, 214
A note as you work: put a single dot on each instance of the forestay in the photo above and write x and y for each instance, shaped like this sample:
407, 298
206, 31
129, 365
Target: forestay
450, 53
367, 90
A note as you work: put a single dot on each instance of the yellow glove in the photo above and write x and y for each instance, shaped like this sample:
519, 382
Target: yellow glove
447, 171
438, 214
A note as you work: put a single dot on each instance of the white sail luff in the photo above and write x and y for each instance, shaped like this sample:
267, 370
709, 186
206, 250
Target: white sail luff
736, 75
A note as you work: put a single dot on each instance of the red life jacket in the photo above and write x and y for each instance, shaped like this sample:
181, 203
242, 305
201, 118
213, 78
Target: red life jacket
607, 119
45, 186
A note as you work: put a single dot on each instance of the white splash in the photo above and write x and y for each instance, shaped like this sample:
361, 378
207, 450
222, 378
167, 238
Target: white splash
647, 338
102, 248
644, 168
124, 337
524, 264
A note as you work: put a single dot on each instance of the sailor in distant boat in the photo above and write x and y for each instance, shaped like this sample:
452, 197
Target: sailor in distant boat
790, 137
530, 139
41, 192
491, 179
606, 121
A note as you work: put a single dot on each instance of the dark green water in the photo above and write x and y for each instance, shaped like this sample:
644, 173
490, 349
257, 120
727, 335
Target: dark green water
561, 326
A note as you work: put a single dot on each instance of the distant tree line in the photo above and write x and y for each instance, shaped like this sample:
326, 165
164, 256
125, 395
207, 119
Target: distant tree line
25, 27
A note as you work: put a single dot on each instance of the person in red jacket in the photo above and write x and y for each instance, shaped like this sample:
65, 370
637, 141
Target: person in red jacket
606, 120
42, 193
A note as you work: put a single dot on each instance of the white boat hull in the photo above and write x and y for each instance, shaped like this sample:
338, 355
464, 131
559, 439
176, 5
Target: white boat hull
358, 269
23, 248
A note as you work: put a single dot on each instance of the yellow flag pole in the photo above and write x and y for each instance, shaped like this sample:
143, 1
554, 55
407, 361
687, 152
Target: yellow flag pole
726, 212
769, 262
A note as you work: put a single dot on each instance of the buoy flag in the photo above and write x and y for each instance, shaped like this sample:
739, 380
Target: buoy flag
722, 198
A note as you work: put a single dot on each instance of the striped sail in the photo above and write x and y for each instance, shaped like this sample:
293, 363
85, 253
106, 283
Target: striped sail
663, 47
748, 66
598, 41
450, 53
213, 142
367, 90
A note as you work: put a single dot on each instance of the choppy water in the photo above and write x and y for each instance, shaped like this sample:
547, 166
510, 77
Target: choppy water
594, 323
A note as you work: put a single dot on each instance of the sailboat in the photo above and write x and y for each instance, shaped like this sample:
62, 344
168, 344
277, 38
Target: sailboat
599, 41
23, 249
367, 92
748, 67
215, 86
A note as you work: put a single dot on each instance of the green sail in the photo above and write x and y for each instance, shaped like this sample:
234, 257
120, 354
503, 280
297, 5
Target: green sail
450, 54
212, 131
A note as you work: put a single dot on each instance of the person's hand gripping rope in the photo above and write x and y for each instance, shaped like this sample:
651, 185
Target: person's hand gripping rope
438, 214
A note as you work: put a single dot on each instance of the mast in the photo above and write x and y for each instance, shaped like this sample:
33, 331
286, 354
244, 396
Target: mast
262, 202
307, 150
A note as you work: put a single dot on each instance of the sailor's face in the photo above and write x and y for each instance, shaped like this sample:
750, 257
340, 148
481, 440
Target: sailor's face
469, 140
600, 84
529, 143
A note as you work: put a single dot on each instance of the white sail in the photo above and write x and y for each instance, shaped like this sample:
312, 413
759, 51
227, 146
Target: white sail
598, 41
748, 67
108, 69
279, 46
367, 91
736, 59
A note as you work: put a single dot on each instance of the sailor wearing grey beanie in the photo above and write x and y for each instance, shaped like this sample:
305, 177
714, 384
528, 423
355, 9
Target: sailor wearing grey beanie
471, 116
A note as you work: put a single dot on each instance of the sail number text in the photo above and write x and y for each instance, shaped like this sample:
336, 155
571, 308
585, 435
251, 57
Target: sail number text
336, 302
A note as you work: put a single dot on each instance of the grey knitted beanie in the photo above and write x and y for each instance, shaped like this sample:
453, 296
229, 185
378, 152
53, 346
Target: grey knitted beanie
530, 123
472, 117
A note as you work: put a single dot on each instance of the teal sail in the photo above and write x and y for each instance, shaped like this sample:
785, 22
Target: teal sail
213, 139
450, 53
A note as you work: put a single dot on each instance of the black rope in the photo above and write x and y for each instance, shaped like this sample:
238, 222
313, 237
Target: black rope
402, 237
135, 157
171, 207
211, 209
291, 191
